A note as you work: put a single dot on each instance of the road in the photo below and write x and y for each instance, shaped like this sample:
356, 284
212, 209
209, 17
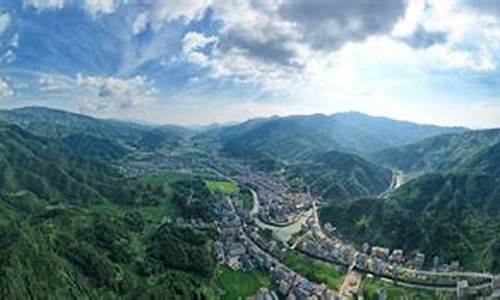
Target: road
285, 233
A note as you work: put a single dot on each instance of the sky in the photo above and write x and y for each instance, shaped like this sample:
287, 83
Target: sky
216, 61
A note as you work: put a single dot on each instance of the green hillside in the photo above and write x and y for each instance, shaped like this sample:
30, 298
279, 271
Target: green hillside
63, 253
454, 216
75, 228
28, 162
59, 124
441, 153
340, 176
92, 147
451, 211
279, 139
294, 136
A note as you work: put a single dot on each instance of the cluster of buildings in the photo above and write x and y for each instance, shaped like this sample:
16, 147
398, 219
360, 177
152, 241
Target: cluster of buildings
284, 209
154, 164
294, 286
374, 259
244, 249
240, 246
278, 206
327, 245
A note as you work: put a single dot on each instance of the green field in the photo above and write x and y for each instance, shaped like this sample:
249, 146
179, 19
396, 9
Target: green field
370, 289
225, 187
233, 285
314, 270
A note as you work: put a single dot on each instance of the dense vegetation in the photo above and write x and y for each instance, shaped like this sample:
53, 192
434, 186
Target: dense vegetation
194, 199
62, 253
454, 216
92, 147
370, 289
452, 211
337, 176
442, 153
76, 129
75, 228
291, 137
71, 226
280, 139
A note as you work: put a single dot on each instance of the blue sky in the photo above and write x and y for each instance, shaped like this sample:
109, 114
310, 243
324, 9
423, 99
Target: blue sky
205, 61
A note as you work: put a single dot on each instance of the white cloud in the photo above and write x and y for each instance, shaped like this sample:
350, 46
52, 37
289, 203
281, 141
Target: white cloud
275, 44
193, 44
5, 89
111, 93
44, 4
169, 10
160, 12
14, 42
140, 23
9, 57
54, 82
4, 22
95, 7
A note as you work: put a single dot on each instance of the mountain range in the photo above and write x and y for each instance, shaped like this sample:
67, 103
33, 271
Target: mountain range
441, 153
57, 183
88, 134
72, 227
330, 154
291, 137
450, 209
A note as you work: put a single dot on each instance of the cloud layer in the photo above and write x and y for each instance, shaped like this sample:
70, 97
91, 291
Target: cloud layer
271, 56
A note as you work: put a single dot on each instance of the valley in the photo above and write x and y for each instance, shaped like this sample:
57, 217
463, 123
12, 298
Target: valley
140, 211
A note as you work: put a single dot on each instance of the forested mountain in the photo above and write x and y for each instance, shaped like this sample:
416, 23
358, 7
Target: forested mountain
75, 228
453, 213
442, 153
291, 137
277, 138
61, 124
454, 216
29, 162
335, 176
317, 148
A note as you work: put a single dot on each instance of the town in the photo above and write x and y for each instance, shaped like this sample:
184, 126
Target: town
244, 244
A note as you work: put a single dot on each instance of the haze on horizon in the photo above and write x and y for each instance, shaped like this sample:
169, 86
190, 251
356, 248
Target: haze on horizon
214, 61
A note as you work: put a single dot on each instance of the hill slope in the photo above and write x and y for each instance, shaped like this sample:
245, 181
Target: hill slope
73, 228
59, 124
454, 216
441, 153
29, 162
277, 138
291, 137
340, 176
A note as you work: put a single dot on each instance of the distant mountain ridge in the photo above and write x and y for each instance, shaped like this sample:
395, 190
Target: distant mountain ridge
449, 152
287, 137
86, 131
325, 152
